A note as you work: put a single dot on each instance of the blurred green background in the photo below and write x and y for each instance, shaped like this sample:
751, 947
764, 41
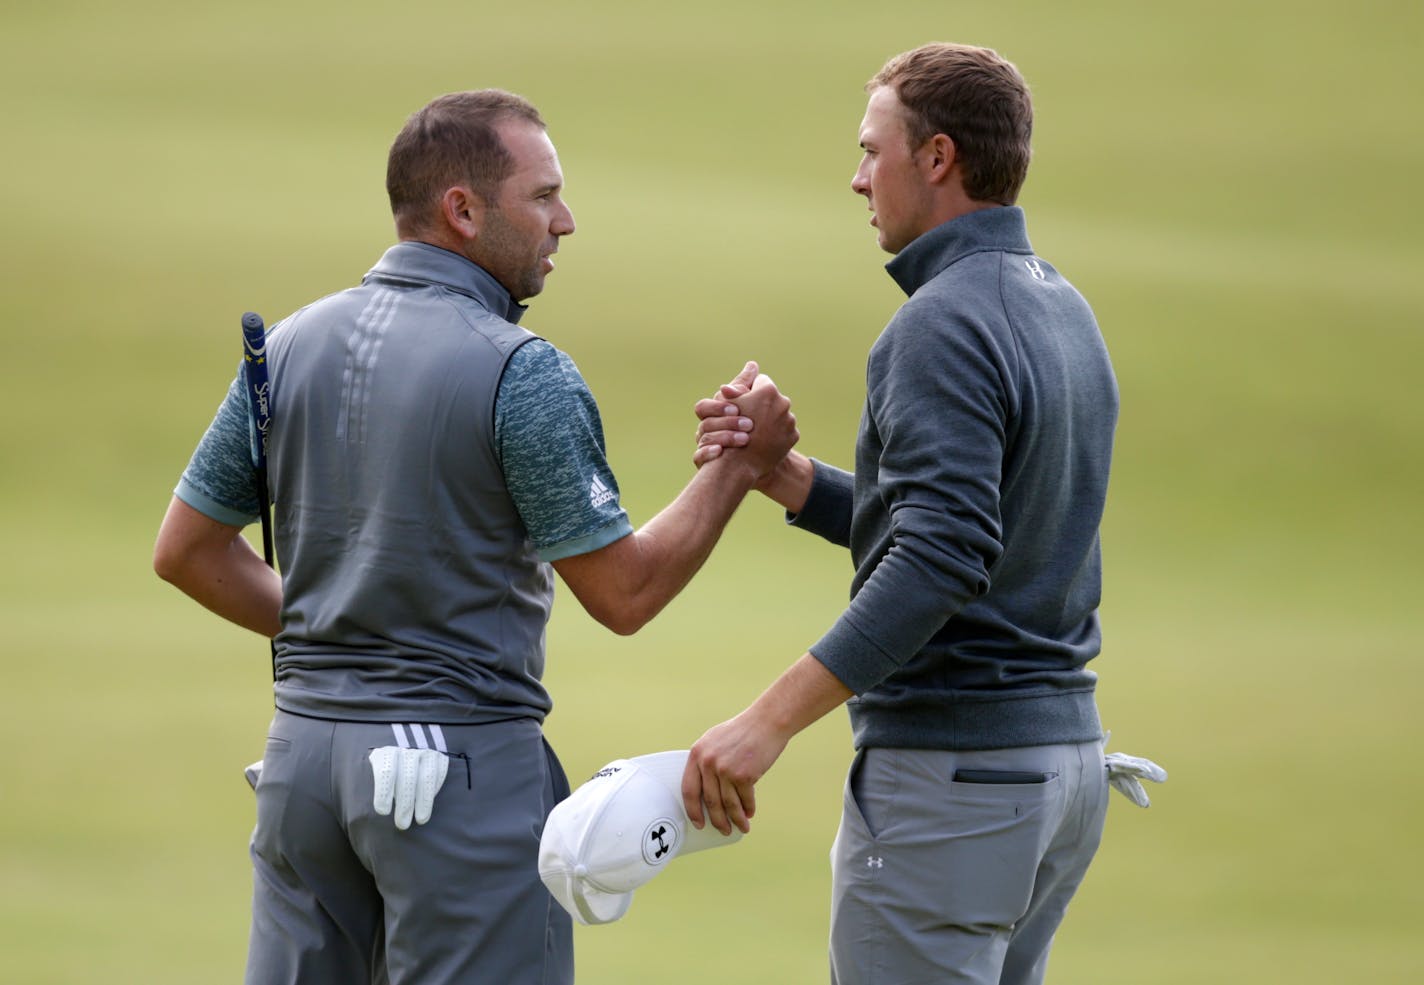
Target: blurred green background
1233, 186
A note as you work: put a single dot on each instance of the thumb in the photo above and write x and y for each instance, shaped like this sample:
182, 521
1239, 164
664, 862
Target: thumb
747, 375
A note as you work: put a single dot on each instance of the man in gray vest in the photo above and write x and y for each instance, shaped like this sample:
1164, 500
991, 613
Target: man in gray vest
429, 462
976, 799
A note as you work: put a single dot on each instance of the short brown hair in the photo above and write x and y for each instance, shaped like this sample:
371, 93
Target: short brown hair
452, 140
977, 99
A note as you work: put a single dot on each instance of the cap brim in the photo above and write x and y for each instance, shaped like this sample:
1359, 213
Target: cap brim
667, 768
558, 872
587, 905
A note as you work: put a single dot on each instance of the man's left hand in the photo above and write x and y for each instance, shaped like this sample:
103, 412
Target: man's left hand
724, 765
723, 768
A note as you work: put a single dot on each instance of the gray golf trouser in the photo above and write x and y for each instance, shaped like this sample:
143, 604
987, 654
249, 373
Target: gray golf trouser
342, 897
957, 867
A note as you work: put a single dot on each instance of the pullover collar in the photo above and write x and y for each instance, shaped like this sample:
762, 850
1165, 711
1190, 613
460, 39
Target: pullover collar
413, 262
999, 229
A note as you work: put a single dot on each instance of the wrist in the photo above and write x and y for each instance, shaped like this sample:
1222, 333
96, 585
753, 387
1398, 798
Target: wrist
789, 483
734, 469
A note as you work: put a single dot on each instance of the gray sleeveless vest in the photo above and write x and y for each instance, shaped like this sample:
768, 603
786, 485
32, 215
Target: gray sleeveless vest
410, 589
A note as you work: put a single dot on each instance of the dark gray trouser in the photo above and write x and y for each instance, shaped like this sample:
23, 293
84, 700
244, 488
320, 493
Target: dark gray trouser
341, 897
943, 880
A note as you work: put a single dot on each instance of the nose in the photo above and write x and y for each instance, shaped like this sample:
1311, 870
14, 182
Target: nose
563, 224
860, 182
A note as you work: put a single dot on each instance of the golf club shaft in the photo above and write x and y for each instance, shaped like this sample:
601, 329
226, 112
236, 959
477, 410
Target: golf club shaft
254, 355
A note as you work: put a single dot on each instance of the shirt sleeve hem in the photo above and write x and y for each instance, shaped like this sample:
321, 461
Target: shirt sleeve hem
211, 508
827, 509
588, 543
853, 657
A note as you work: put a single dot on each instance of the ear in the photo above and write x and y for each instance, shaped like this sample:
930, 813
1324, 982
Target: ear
463, 211
937, 158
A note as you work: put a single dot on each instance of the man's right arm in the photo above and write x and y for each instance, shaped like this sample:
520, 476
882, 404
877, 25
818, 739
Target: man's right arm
628, 582
625, 584
551, 442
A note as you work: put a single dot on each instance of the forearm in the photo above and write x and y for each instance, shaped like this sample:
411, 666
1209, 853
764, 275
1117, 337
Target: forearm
805, 693
240, 588
682, 535
215, 566
675, 544
236, 585
629, 582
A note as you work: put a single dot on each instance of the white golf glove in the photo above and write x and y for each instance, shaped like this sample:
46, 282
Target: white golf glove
1125, 771
407, 781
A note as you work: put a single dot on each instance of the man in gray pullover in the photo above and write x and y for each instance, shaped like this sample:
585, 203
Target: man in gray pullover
976, 799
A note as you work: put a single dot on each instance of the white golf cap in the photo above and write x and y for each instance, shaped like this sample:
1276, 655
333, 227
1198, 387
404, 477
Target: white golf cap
616, 832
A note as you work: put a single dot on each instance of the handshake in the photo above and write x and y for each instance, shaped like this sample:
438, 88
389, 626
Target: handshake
750, 418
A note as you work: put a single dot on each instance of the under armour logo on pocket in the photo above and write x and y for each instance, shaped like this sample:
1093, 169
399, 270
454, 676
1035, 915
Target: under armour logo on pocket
874, 862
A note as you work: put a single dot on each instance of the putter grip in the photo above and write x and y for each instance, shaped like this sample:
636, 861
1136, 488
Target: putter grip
254, 355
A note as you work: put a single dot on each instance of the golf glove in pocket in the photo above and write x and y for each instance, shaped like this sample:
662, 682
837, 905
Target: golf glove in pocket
406, 782
1125, 772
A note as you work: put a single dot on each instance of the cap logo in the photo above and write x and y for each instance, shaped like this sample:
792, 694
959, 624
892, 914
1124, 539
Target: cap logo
659, 840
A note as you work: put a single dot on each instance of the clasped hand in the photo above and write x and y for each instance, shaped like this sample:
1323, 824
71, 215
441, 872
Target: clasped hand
748, 414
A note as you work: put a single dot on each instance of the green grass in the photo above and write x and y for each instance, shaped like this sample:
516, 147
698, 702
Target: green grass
1233, 187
